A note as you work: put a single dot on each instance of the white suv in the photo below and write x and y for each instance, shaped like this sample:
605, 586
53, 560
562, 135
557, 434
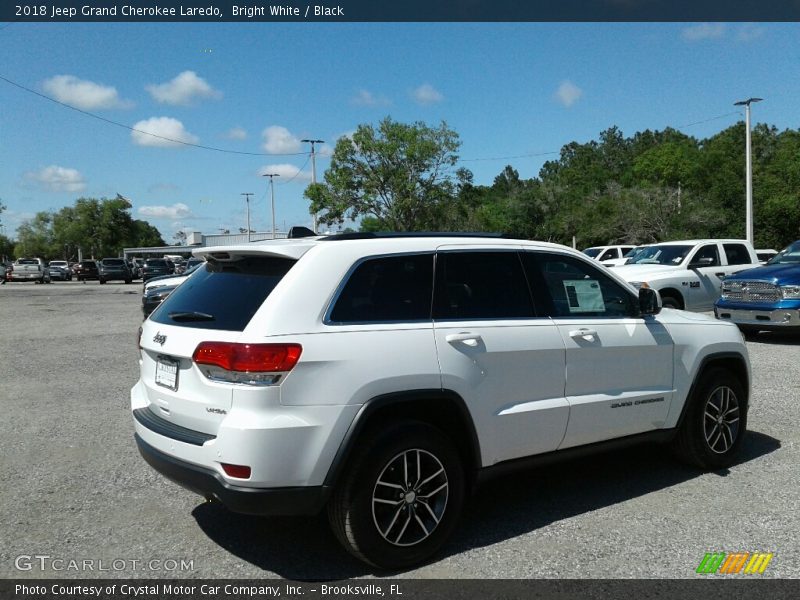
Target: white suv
382, 376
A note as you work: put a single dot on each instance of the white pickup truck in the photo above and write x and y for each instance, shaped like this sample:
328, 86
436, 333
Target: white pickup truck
688, 274
30, 269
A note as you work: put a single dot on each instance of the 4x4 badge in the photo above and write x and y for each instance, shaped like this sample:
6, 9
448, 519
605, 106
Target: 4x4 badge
159, 339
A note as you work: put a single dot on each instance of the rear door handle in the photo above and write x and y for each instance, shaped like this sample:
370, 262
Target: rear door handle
720, 274
466, 338
584, 333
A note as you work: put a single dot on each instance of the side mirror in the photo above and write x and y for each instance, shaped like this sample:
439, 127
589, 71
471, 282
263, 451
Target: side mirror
649, 301
706, 261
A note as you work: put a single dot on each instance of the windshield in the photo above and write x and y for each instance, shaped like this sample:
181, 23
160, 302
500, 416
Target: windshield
790, 254
660, 255
592, 252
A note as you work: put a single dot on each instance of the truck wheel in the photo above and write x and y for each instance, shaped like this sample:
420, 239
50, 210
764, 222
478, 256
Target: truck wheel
671, 301
401, 496
102, 281
714, 424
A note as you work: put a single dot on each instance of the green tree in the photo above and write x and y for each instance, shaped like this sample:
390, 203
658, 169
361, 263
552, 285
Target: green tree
399, 174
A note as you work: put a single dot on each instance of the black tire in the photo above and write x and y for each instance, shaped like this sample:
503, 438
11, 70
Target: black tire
670, 301
102, 282
362, 502
750, 333
128, 281
715, 422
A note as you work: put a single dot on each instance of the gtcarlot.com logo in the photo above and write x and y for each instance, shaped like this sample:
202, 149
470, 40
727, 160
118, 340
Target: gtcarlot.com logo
44, 562
734, 563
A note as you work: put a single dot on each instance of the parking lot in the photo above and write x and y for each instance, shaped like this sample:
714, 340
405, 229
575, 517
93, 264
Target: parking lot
75, 489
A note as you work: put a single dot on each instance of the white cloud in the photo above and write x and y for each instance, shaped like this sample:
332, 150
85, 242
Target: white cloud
749, 32
427, 94
58, 179
83, 94
236, 133
278, 140
176, 211
182, 90
286, 172
367, 98
164, 132
703, 31
568, 93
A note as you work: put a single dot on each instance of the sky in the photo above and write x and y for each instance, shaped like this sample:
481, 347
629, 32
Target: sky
514, 92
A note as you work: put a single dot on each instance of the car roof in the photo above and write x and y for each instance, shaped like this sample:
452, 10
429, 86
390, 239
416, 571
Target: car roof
368, 245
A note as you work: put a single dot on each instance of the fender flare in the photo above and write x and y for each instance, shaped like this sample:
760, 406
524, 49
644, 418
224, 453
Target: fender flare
373, 405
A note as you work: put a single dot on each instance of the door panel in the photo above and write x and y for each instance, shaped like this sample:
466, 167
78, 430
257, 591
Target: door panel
508, 366
619, 366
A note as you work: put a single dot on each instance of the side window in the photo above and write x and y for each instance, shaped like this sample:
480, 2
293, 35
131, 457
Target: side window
609, 254
564, 286
481, 285
387, 289
736, 254
707, 251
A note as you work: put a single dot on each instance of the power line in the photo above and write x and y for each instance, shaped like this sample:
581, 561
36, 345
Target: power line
118, 124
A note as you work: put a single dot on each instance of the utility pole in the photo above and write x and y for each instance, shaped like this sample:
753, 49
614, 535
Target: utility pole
272, 193
247, 198
313, 173
748, 168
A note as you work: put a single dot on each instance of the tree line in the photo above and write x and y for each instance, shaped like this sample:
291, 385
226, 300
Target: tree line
391, 176
99, 227
652, 186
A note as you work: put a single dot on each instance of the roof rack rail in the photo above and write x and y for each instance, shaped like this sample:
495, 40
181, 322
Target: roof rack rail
371, 235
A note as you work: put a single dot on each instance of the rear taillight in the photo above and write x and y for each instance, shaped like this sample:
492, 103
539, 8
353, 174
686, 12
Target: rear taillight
252, 364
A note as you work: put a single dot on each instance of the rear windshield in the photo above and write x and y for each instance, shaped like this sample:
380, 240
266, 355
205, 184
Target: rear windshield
113, 261
156, 262
223, 295
592, 252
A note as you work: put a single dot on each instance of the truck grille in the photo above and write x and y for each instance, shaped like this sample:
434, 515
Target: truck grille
751, 291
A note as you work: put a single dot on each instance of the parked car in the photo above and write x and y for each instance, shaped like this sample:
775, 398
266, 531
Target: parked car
29, 269
765, 254
766, 298
688, 274
156, 266
115, 269
156, 289
602, 254
153, 297
86, 270
136, 272
59, 269
379, 377
630, 255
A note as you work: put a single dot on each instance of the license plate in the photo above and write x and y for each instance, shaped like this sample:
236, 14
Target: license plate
167, 373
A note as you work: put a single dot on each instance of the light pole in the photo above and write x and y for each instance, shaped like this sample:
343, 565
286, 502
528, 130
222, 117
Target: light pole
748, 168
247, 198
313, 173
272, 193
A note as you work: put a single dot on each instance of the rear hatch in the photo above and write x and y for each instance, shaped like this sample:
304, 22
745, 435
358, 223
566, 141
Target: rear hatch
214, 304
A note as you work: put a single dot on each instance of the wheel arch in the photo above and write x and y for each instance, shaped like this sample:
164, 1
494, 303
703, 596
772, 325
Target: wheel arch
673, 293
733, 362
443, 409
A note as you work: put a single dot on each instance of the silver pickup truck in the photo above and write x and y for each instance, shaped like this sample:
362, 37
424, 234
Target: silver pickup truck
30, 269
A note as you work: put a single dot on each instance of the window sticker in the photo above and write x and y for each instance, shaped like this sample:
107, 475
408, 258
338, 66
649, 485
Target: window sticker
584, 296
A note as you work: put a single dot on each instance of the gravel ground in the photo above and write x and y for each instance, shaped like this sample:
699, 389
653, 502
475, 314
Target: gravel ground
75, 488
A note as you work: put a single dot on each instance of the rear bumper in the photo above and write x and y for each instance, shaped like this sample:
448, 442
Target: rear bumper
253, 501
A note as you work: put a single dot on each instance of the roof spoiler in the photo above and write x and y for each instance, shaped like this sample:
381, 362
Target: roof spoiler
299, 231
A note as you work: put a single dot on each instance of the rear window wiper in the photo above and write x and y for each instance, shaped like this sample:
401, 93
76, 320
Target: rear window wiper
191, 316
